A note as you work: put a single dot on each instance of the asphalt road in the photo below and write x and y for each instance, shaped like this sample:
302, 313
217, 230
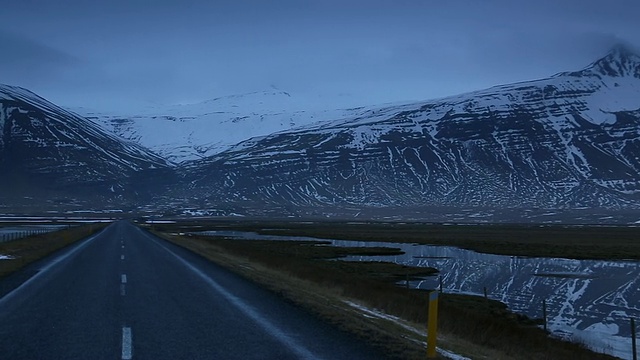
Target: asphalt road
126, 294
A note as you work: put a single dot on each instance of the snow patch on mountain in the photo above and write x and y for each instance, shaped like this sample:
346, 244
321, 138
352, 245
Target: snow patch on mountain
565, 141
194, 131
187, 132
40, 140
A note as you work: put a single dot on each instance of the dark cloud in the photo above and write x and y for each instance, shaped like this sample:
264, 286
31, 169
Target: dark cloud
352, 51
23, 58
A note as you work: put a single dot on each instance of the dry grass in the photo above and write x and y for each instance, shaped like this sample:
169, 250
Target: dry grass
575, 242
32, 248
322, 298
473, 326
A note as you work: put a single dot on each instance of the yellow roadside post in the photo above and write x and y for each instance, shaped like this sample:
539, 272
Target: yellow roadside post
432, 325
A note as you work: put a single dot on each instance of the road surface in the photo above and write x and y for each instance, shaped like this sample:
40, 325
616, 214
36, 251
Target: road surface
126, 294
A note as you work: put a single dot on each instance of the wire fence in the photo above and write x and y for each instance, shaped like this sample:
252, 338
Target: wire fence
19, 232
633, 350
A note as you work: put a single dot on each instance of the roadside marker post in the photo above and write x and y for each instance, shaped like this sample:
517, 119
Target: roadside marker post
432, 326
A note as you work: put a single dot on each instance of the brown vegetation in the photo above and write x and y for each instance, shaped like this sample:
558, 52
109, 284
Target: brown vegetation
574, 242
470, 325
26, 250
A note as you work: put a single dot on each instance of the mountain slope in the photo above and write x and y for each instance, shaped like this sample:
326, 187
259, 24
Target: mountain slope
569, 141
194, 131
48, 153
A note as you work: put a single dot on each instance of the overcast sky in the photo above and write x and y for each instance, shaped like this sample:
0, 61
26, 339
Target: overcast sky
123, 53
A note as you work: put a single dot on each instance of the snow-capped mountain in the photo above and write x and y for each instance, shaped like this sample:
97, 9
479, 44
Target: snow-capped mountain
568, 141
194, 131
587, 301
50, 154
571, 141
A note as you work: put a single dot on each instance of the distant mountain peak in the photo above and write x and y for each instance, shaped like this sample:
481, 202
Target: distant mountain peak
250, 96
623, 50
619, 62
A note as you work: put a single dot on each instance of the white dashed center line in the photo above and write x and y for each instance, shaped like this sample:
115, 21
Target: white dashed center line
123, 278
123, 290
121, 257
127, 344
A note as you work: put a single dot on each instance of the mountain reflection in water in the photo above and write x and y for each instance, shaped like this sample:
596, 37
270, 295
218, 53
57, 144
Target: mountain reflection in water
590, 301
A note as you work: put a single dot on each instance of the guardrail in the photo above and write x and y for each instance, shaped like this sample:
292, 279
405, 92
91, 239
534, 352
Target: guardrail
17, 232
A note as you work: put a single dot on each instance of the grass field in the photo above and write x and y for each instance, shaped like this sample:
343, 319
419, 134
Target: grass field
470, 325
26, 250
541, 241
575, 242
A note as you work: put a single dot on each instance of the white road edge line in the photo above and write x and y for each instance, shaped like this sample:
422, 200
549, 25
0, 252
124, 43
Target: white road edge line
127, 344
45, 268
291, 343
123, 278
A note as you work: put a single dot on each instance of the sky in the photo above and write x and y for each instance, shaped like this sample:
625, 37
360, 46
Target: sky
123, 54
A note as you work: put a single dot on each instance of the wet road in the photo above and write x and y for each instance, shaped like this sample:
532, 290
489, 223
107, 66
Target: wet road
126, 294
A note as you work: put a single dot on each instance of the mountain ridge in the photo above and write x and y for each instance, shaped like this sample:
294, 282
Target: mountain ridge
49, 155
620, 61
567, 142
563, 142
194, 131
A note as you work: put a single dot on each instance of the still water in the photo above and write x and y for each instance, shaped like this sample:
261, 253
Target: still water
590, 301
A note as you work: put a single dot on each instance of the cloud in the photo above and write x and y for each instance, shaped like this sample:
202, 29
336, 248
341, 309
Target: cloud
25, 58
372, 50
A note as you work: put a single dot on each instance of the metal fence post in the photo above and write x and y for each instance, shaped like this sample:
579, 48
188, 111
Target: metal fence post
544, 314
633, 339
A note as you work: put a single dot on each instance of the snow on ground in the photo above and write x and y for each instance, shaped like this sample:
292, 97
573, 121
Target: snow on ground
599, 337
373, 313
601, 340
6, 257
